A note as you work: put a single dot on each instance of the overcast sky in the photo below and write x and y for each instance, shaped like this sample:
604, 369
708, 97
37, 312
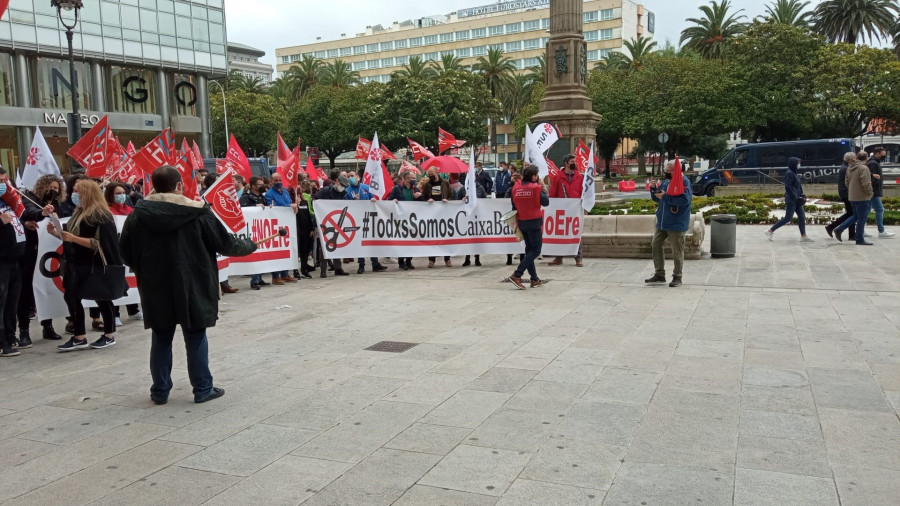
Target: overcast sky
268, 24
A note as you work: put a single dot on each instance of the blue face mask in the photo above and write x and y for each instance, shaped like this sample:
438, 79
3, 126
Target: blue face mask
278, 186
76, 199
2, 189
352, 181
120, 199
239, 193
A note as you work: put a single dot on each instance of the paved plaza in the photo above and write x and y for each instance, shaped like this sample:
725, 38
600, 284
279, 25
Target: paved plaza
772, 378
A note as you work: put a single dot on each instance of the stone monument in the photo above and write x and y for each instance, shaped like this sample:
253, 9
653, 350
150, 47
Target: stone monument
566, 103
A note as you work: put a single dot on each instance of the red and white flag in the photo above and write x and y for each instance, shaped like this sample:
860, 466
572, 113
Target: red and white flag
676, 185
13, 199
313, 173
362, 148
222, 198
419, 150
185, 166
588, 195
238, 159
375, 171
39, 162
552, 169
158, 152
446, 141
386, 153
289, 168
582, 156
196, 156
91, 150
283, 151
405, 165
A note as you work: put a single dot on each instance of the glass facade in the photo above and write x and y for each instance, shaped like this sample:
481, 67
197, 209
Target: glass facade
132, 90
54, 86
7, 92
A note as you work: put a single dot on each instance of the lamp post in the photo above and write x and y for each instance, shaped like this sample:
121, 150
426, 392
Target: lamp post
224, 112
74, 119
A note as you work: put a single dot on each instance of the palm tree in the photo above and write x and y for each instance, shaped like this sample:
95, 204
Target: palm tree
339, 74
516, 95
712, 33
613, 61
279, 89
448, 63
638, 50
852, 21
897, 38
417, 68
496, 69
238, 81
789, 12
538, 73
303, 76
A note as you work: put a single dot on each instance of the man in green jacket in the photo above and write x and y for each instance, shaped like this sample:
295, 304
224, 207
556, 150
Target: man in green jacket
170, 242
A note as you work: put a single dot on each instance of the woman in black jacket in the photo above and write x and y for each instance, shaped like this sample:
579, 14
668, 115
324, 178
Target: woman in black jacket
90, 231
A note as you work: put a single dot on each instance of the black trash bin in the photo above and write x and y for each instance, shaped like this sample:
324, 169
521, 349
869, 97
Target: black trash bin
723, 236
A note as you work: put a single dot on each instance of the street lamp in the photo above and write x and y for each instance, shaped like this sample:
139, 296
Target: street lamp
224, 112
74, 119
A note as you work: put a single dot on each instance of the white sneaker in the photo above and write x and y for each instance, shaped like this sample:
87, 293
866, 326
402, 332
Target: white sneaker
118, 322
806, 238
137, 316
769, 234
885, 235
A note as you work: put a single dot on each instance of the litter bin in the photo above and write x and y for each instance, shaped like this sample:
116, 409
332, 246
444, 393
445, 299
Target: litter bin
723, 238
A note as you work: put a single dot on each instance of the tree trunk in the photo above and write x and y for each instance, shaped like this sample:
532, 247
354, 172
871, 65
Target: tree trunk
642, 163
607, 171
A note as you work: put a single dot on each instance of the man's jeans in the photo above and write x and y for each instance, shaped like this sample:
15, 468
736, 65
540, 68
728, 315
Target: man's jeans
256, 279
676, 239
879, 212
197, 348
861, 210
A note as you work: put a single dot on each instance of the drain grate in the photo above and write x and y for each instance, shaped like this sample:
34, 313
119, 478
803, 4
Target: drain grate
391, 346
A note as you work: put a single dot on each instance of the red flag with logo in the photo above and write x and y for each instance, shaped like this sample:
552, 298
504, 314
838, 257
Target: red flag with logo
196, 156
284, 152
554, 170
676, 185
418, 150
582, 156
185, 167
158, 152
90, 151
13, 199
446, 140
289, 168
386, 154
222, 198
362, 148
405, 165
238, 159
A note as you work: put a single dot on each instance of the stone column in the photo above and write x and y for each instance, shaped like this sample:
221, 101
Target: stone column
566, 103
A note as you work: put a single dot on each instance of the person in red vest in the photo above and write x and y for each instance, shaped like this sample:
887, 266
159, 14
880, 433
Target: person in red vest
528, 198
567, 184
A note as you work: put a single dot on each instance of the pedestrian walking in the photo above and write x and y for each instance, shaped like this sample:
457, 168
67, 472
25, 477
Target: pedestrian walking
528, 197
170, 242
843, 194
874, 165
860, 193
794, 200
673, 216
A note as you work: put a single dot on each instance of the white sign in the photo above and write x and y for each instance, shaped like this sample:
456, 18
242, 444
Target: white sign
501, 7
354, 229
59, 118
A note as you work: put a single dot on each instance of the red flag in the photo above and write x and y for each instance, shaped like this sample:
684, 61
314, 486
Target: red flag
90, 151
222, 198
196, 156
676, 185
408, 166
313, 173
385, 176
289, 168
13, 199
158, 152
284, 152
362, 148
185, 166
239, 160
121, 167
3, 6
418, 150
582, 156
554, 170
386, 153
446, 140
130, 148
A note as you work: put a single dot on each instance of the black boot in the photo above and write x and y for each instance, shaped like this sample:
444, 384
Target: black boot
676, 282
50, 334
361, 270
657, 278
24, 339
378, 268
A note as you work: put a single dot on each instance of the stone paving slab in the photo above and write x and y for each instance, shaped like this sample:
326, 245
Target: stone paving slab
768, 378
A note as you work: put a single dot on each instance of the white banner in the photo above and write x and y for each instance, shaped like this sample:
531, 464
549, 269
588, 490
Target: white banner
279, 254
354, 229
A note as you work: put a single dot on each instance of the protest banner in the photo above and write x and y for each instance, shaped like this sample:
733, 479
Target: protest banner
354, 229
275, 255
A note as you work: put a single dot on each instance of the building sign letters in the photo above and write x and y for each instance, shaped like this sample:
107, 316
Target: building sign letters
501, 7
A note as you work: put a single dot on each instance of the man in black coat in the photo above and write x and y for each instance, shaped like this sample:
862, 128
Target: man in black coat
170, 242
874, 165
484, 179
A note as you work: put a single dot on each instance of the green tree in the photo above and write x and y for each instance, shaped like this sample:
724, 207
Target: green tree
521, 120
896, 36
613, 99
253, 118
339, 74
417, 68
637, 50
711, 33
448, 63
239, 81
538, 73
789, 12
612, 62
856, 84
302, 76
516, 95
854, 21
496, 69
774, 61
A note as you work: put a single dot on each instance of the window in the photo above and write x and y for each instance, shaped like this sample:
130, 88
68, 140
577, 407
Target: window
431, 39
772, 157
501, 139
530, 62
387, 46
285, 59
446, 37
320, 54
359, 65
373, 64
592, 36
447, 52
359, 49
604, 54
545, 23
371, 48
479, 50
387, 62
606, 14
333, 53
535, 43
592, 55
431, 57
415, 42
400, 44
514, 28
402, 60
606, 34
346, 51
463, 53
533, 25
479, 33
463, 35
497, 47
496, 30
591, 17
513, 46
295, 57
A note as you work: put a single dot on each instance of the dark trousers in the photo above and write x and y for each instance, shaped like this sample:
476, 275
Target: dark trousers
10, 284
197, 347
374, 260
534, 238
76, 311
404, 261
132, 309
860, 215
305, 246
790, 208
848, 213
26, 294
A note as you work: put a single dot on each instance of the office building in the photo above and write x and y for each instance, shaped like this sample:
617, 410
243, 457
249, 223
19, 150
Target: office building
145, 63
245, 61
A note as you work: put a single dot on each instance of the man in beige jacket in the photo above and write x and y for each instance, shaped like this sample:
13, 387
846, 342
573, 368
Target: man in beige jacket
859, 188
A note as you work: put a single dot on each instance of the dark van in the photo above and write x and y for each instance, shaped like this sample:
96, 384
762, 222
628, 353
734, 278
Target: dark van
765, 163
258, 166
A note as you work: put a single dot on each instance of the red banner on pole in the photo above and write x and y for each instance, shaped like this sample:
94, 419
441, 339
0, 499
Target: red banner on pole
222, 198
419, 150
158, 152
238, 159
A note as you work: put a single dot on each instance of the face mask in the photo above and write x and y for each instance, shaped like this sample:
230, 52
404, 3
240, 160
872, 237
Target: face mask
2, 189
51, 195
76, 199
432, 179
798, 166
571, 166
668, 175
445, 177
338, 187
120, 199
278, 186
352, 181
239, 193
